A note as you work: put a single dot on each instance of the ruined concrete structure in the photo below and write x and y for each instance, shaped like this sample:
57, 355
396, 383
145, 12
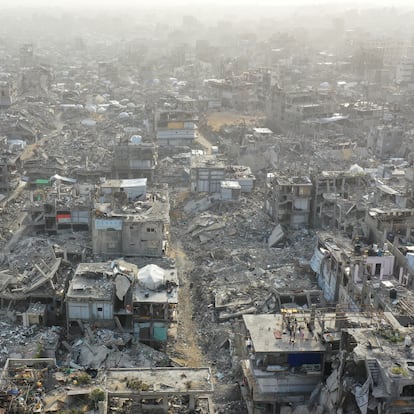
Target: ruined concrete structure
288, 199
285, 360
337, 194
128, 221
132, 389
135, 160
118, 294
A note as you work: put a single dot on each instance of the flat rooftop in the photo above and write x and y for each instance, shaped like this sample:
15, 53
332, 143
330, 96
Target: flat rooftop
207, 161
284, 180
338, 174
96, 280
160, 381
265, 329
385, 343
155, 207
127, 183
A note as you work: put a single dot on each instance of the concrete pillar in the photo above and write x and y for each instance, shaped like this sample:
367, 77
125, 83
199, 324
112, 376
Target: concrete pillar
356, 271
191, 404
165, 404
400, 277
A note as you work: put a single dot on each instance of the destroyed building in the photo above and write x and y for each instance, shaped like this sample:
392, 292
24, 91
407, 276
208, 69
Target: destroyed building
6, 95
385, 141
287, 108
135, 159
64, 206
47, 388
238, 92
154, 302
339, 198
97, 293
288, 199
142, 302
43, 282
348, 271
128, 221
242, 174
35, 81
373, 370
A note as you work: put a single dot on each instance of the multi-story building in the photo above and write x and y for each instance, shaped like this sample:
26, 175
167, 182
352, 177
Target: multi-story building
135, 160
176, 122
154, 302
64, 206
349, 272
288, 199
285, 359
385, 141
128, 221
206, 173
116, 293
334, 191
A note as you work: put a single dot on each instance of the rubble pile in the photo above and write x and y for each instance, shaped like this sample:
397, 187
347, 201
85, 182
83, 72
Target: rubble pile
104, 349
27, 342
235, 272
28, 251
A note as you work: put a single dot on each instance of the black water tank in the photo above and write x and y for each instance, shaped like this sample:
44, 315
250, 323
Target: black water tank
393, 294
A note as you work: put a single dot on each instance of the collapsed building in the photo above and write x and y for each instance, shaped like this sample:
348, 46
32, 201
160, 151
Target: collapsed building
46, 387
339, 198
36, 294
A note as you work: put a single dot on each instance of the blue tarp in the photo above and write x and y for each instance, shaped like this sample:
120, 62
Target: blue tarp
296, 360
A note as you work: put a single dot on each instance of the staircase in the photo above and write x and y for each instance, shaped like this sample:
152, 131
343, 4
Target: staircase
373, 368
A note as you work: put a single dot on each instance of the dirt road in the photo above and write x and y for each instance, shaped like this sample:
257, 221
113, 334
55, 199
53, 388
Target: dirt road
187, 348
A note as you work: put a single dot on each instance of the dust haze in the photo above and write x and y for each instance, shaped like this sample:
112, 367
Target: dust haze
206, 207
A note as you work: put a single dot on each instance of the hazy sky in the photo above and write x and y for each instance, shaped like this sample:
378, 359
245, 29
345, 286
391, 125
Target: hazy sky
171, 3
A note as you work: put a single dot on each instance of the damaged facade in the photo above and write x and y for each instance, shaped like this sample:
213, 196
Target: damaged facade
288, 199
117, 294
128, 221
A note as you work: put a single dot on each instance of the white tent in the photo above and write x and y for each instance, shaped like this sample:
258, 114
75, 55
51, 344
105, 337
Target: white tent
151, 276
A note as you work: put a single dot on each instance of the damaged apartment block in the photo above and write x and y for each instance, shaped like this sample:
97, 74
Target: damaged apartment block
116, 294
135, 158
128, 221
338, 198
61, 207
288, 199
